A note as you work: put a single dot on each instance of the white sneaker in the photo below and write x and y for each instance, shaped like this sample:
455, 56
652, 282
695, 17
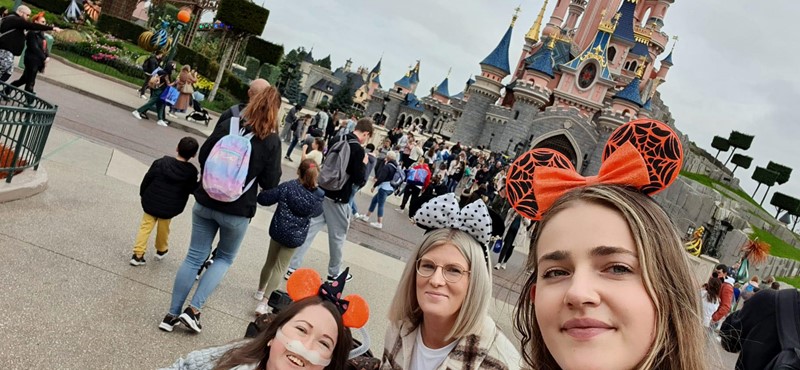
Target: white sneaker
503, 266
362, 217
263, 308
376, 225
143, 96
259, 295
498, 266
162, 123
136, 114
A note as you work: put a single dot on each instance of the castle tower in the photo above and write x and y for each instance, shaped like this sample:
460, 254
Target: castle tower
655, 11
408, 84
486, 90
595, 14
442, 92
666, 64
586, 79
623, 38
347, 66
414, 78
557, 18
531, 39
538, 75
374, 79
576, 9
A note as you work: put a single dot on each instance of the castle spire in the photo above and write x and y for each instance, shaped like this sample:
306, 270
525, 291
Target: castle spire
535, 30
498, 58
516, 15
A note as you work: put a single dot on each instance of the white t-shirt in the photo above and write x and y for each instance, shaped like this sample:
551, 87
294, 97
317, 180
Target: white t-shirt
424, 358
708, 308
315, 155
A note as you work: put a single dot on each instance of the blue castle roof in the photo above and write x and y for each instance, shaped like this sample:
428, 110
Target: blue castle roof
640, 49
377, 68
412, 102
404, 82
498, 58
649, 105
377, 80
543, 61
624, 28
668, 59
414, 79
443, 88
631, 92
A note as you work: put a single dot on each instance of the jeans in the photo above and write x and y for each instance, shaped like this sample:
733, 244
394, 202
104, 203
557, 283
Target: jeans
295, 139
337, 217
353, 206
451, 185
155, 101
379, 200
205, 224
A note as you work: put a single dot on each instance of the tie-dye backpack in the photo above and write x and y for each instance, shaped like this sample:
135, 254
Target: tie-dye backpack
225, 171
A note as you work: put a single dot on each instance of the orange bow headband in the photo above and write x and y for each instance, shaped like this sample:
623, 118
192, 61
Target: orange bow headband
306, 283
643, 154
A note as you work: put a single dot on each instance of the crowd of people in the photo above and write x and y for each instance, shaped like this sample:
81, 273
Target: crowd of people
593, 299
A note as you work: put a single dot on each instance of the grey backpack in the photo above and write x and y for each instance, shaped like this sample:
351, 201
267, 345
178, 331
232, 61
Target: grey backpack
334, 168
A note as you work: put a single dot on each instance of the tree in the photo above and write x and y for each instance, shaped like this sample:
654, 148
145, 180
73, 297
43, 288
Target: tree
721, 144
764, 176
289, 69
325, 63
292, 90
739, 140
784, 202
785, 172
742, 161
343, 99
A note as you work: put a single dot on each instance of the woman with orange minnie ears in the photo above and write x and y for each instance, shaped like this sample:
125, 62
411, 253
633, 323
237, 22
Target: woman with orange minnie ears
597, 296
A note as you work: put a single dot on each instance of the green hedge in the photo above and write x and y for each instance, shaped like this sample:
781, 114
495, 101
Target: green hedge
243, 15
209, 69
120, 28
53, 6
264, 51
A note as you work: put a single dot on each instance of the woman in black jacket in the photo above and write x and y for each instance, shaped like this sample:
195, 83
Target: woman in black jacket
35, 56
230, 219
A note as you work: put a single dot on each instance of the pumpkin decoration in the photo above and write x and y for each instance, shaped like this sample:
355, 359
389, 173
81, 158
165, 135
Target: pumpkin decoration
184, 15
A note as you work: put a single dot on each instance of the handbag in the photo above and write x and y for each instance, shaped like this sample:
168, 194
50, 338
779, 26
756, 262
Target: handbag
187, 88
170, 96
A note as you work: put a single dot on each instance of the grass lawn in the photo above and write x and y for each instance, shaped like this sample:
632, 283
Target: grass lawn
793, 281
779, 248
707, 181
95, 66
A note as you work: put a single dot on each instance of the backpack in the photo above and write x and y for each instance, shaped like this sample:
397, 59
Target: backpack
334, 175
148, 66
417, 176
398, 178
225, 170
788, 335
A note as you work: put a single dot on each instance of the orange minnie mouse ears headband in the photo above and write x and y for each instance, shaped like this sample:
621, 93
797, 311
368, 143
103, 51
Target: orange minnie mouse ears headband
643, 154
306, 283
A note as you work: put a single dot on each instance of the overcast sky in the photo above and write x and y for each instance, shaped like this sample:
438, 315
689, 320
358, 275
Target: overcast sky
733, 64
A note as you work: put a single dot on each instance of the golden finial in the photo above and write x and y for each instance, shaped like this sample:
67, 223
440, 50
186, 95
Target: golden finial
552, 43
516, 15
640, 71
610, 25
535, 30
617, 17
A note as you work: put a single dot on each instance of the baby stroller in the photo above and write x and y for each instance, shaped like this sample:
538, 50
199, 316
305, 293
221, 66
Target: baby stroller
199, 114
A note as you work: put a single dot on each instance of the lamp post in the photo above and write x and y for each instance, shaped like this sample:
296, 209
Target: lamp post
490, 141
183, 17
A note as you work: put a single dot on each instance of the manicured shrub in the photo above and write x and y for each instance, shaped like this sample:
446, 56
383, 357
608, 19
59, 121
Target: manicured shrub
53, 6
120, 28
264, 51
243, 15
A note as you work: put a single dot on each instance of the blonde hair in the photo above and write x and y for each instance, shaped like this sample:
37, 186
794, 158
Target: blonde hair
679, 341
475, 308
262, 112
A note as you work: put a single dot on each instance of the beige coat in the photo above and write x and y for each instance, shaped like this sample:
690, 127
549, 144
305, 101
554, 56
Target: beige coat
490, 350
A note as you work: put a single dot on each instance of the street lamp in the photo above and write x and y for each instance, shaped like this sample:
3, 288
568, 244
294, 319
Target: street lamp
490, 141
183, 17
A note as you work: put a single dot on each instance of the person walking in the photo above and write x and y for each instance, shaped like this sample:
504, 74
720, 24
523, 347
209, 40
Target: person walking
149, 65
418, 178
335, 207
35, 56
372, 161
516, 228
709, 298
298, 201
383, 186
288, 122
157, 88
185, 86
298, 128
229, 219
12, 38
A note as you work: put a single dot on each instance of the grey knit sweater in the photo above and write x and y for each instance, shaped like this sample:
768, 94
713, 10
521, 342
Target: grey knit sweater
206, 359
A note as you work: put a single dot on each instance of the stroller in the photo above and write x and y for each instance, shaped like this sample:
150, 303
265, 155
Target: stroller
199, 114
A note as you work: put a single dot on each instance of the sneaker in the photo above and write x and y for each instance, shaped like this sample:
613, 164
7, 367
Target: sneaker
136, 114
376, 225
288, 273
191, 320
259, 295
162, 123
497, 266
169, 323
399, 210
262, 308
503, 266
288, 159
361, 217
143, 96
160, 255
332, 278
138, 261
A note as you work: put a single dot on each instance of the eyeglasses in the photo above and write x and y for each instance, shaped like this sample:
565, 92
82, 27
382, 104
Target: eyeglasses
451, 272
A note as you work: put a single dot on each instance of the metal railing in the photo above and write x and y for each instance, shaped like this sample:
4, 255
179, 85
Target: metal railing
25, 122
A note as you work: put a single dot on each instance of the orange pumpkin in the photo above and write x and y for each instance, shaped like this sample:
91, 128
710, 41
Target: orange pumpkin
184, 16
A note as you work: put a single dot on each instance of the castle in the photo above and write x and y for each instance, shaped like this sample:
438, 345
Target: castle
593, 66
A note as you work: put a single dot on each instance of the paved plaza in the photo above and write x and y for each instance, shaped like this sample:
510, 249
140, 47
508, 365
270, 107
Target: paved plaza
71, 301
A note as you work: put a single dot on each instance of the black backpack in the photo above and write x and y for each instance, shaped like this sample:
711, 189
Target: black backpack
786, 306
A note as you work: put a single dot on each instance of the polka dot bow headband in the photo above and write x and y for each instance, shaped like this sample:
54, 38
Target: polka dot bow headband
443, 212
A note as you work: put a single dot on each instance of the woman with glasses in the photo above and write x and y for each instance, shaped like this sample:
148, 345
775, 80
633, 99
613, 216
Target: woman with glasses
439, 312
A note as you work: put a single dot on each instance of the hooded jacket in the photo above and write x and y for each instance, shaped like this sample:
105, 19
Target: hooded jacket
753, 331
296, 206
166, 187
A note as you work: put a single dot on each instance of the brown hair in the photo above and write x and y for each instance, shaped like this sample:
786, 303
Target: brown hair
261, 112
320, 144
713, 287
307, 173
365, 125
676, 345
256, 350
37, 16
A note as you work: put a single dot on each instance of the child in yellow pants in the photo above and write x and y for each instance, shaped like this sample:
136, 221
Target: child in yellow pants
165, 189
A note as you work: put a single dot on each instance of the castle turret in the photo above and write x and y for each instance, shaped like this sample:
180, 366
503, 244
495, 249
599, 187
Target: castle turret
666, 64
538, 75
557, 18
576, 9
404, 85
486, 89
531, 39
594, 15
374, 77
623, 38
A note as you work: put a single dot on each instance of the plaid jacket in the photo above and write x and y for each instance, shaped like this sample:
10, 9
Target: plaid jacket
490, 350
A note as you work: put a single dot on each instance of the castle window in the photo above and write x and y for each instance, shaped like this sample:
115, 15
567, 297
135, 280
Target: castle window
627, 65
587, 75
612, 52
634, 66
